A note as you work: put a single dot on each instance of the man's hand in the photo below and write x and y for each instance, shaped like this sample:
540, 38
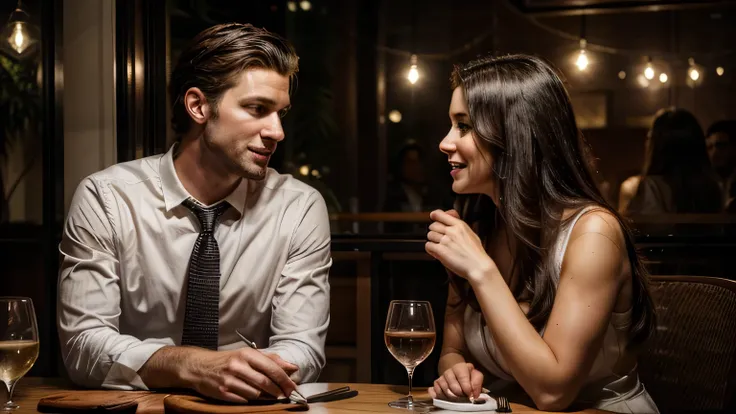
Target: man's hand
236, 376
239, 375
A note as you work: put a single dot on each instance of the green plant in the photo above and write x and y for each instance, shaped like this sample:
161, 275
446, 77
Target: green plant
20, 110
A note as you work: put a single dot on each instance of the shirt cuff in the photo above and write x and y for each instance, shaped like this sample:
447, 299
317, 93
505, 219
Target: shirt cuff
306, 372
123, 374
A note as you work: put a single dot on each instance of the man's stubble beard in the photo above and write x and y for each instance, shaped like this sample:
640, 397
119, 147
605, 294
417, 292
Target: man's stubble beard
236, 163
240, 165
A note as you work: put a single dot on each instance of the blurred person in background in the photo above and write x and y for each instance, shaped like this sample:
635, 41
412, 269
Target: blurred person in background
676, 176
720, 141
408, 191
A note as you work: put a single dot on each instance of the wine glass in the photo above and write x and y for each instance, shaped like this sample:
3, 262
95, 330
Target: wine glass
409, 336
18, 342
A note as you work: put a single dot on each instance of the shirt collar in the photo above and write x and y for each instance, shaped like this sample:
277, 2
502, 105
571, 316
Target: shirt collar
238, 196
175, 193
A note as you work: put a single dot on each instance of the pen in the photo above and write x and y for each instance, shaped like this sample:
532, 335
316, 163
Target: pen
246, 340
254, 346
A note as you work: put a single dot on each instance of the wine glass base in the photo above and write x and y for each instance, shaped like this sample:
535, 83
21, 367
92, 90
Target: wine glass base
415, 405
9, 406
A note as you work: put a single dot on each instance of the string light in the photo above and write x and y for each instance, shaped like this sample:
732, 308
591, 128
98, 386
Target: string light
694, 73
582, 61
413, 74
394, 116
305, 5
643, 78
649, 72
663, 77
291, 5
598, 48
19, 39
18, 33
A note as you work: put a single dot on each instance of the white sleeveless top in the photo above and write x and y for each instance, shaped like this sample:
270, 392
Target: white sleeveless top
604, 389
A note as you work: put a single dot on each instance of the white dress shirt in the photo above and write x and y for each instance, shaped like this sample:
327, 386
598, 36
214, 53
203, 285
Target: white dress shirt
125, 253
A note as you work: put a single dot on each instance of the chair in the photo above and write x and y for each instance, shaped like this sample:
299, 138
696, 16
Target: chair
689, 364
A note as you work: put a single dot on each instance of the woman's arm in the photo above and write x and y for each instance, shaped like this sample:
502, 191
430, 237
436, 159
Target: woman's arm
453, 340
552, 368
457, 377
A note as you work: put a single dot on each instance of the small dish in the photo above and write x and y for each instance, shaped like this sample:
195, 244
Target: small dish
483, 403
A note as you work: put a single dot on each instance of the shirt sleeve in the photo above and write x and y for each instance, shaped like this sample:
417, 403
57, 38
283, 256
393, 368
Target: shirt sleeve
301, 305
94, 351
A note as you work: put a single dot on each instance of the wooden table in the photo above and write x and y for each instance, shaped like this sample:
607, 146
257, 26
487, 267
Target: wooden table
372, 398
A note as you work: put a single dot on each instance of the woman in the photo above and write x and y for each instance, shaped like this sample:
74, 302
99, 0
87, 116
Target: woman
677, 175
547, 289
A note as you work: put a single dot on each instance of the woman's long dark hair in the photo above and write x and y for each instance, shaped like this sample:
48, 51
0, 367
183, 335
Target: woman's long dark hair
520, 111
676, 152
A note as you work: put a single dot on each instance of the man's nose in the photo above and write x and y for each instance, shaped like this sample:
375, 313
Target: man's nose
274, 130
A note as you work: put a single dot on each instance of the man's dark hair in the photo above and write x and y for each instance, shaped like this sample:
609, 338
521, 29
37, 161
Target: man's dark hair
727, 127
215, 58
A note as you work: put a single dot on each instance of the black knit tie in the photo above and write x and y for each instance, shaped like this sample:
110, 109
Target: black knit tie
202, 315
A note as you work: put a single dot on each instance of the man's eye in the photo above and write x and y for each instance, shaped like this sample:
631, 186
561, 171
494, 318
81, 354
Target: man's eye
257, 109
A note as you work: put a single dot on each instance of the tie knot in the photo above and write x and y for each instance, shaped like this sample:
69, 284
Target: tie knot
207, 216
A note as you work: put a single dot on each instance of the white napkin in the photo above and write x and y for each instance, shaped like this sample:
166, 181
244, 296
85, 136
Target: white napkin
488, 404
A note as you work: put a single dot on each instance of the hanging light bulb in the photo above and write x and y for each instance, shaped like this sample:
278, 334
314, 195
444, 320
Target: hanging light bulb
694, 73
394, 116
663, 77
643, 78
622, 75
720, 71
582, 61
19, 40
413, 74
18, 36
649, 72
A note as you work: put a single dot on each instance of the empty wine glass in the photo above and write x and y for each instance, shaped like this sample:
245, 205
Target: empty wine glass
410, 337
18, 342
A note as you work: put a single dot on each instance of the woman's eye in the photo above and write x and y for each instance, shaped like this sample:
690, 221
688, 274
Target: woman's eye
463, 128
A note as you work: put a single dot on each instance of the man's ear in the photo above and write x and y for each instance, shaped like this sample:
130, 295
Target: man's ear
197, 106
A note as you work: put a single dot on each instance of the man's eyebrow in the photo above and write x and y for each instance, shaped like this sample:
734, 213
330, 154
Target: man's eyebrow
258, 99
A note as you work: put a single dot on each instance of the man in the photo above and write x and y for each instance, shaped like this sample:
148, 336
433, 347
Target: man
721, 144
165, 257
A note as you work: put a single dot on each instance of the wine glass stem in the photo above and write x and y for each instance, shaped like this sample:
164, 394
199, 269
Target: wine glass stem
409, 398
10, 405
